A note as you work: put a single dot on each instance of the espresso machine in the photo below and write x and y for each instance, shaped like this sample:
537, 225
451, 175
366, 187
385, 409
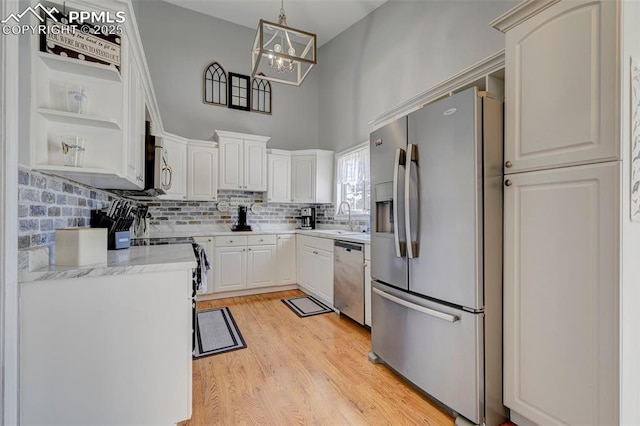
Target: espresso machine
308, 216
241, 225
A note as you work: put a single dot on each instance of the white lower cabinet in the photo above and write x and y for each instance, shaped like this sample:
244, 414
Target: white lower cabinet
230, 268
322, 271
316, 267
261, 266
302, 273
561, 345
87, 363
246, 262
286, 255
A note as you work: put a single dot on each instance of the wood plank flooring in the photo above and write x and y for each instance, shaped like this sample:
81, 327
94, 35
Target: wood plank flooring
295, 370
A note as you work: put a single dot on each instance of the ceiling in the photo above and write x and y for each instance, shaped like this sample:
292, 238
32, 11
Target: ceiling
326, 18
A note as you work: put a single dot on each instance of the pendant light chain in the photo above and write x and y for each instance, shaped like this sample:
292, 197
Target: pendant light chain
282, 19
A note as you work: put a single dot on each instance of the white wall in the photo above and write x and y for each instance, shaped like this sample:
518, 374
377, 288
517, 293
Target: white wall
9, 116
399, 50
179, 44
630, 232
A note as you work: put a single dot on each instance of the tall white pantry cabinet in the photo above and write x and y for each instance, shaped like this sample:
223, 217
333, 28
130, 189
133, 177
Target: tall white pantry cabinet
568, 330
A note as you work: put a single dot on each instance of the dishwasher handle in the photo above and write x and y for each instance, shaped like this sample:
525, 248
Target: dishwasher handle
348, 245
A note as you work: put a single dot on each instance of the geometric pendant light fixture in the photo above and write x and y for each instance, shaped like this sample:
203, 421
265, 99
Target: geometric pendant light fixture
281, 53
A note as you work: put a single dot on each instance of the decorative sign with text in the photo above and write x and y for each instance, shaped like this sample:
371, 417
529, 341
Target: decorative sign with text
82, 41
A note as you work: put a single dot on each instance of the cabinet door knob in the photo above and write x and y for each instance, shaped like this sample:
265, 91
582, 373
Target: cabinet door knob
230, 241
508, 164
507, 182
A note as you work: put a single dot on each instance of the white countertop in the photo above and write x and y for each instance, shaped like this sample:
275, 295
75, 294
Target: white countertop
134, 260
199, 231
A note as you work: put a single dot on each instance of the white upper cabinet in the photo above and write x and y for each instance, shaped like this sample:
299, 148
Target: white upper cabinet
243, 161
231, 163
303, 168
135, 123
176, 152
312, 176
278, 176
255, 165
561, 85
202, 171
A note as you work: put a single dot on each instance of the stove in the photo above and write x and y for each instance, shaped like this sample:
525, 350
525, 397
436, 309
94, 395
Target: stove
161, 241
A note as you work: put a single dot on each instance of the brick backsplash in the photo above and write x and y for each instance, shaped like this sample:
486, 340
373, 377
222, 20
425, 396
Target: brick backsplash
206, 212
325, 216
46, 203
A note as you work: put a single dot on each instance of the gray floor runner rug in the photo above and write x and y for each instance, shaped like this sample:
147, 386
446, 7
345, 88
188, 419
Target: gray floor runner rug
306, 306
217, 332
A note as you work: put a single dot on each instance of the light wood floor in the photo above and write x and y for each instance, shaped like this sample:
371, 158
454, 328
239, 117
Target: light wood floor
295, 370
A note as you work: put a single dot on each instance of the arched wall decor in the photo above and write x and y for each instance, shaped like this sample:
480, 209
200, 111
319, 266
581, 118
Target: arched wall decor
215, 85
261, 95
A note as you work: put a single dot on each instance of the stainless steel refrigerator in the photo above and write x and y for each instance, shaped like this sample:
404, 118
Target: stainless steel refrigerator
436, 252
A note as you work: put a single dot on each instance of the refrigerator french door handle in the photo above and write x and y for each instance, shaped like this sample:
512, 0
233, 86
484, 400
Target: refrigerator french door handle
399, 161
424, 310
411, 158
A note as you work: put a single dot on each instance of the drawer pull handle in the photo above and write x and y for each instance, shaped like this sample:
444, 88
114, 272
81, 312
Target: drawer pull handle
424, 310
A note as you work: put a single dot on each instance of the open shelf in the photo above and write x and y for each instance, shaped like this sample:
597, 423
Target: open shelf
76, 66
78, 119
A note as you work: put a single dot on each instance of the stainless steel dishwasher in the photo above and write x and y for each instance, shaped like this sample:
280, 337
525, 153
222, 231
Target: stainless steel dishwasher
348, 280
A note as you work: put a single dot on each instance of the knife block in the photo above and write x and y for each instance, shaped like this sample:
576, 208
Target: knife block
118, 234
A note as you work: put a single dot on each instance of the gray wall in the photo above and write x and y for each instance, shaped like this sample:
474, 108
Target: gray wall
179, 43
399, 50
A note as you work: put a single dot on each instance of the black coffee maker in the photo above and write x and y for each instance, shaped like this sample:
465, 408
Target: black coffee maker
308, 216
241, 225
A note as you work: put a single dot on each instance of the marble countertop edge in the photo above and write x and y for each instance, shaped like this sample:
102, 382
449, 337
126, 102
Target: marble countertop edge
135, 260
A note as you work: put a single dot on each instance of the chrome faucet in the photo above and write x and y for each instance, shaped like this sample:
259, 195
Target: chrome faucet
340, 210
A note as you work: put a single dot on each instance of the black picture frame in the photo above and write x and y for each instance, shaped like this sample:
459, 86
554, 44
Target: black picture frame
239, 91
